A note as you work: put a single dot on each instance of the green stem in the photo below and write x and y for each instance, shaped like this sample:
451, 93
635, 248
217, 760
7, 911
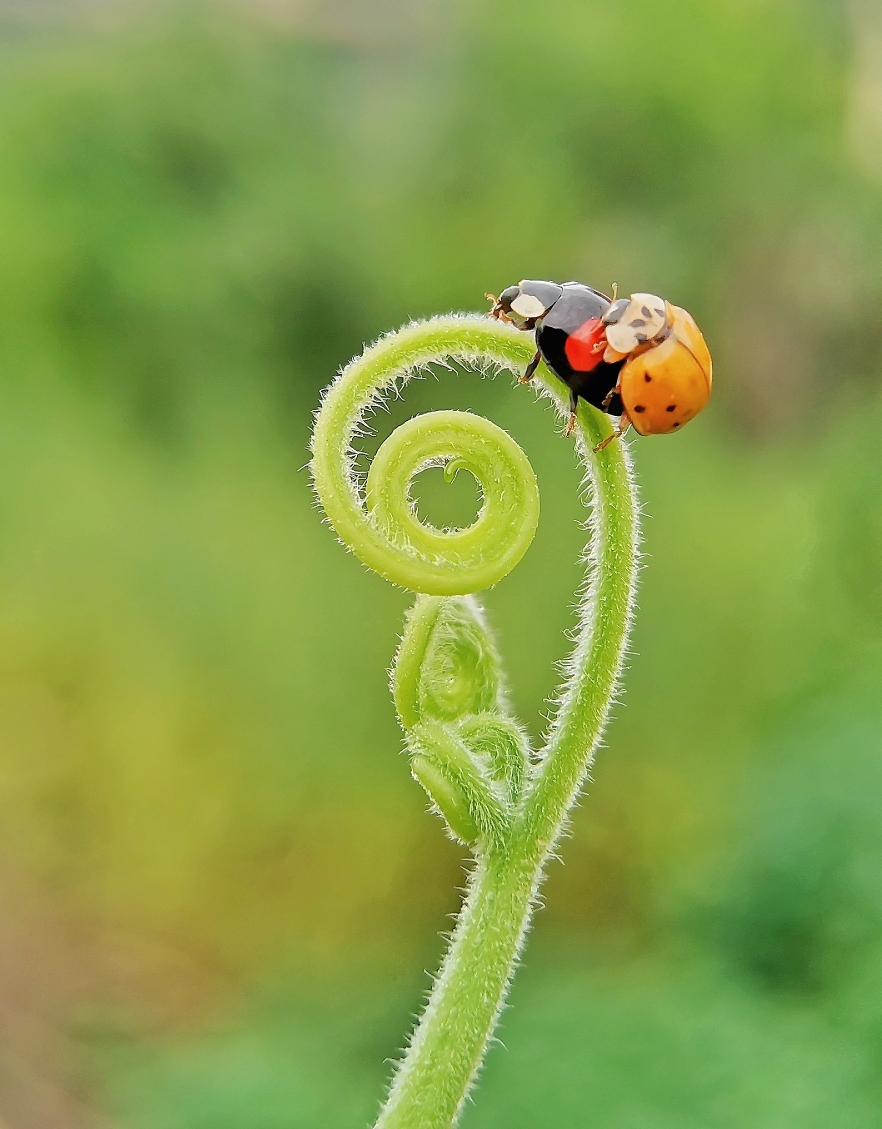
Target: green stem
448, 1045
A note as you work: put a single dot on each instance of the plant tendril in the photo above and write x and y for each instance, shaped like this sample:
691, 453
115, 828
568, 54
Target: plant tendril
506, 801
381, 526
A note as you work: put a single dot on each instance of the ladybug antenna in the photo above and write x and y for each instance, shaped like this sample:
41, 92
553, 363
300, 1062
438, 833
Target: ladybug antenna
615, 290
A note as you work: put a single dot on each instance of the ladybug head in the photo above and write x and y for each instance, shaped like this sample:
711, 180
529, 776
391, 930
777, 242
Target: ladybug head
502, 305
523, 305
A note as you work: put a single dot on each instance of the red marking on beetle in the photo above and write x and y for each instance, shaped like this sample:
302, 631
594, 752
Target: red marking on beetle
585, 347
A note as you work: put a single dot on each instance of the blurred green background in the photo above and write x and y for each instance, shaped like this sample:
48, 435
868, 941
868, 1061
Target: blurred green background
219, 885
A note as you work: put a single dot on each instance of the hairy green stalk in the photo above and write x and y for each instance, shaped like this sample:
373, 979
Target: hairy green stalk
508, 802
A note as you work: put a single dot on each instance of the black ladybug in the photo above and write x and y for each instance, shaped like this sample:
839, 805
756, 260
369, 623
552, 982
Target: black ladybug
567, 320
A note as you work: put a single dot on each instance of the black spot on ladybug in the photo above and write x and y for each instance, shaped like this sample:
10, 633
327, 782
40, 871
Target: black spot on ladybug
646, 312
676, 425
647, 377
661, 313
641, 338
671, 408
636, 322
639, 408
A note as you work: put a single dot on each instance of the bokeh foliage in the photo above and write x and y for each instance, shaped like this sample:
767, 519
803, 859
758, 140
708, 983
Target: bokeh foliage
206, 822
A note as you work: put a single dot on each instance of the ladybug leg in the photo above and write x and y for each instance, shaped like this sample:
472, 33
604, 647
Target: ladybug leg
530, 370
601, 446
574, 405
624, 425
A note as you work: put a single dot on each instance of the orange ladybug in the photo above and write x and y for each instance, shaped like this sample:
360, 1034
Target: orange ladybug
667, 372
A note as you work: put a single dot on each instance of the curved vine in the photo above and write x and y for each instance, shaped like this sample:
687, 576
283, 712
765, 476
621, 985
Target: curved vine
380, 525
495, 793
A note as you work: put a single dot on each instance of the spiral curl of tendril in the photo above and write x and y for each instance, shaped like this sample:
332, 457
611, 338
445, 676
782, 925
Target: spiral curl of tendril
380, 525
508, 802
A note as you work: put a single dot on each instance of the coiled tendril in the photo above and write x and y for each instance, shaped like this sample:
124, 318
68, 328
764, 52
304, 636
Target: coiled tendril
507, 801
382, 528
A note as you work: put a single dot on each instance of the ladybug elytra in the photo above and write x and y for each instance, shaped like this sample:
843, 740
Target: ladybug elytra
639, 358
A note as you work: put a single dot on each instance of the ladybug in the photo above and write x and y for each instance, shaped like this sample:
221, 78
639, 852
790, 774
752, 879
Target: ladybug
639, 358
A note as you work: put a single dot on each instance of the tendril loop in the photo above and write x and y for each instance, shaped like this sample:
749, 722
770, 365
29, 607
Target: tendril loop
381, 525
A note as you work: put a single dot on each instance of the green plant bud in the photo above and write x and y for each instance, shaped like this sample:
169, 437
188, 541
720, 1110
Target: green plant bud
446, 797
501, 746
447, 666
482, 799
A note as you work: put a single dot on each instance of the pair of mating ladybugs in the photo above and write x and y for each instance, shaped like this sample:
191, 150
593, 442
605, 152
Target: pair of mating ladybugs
638, 358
